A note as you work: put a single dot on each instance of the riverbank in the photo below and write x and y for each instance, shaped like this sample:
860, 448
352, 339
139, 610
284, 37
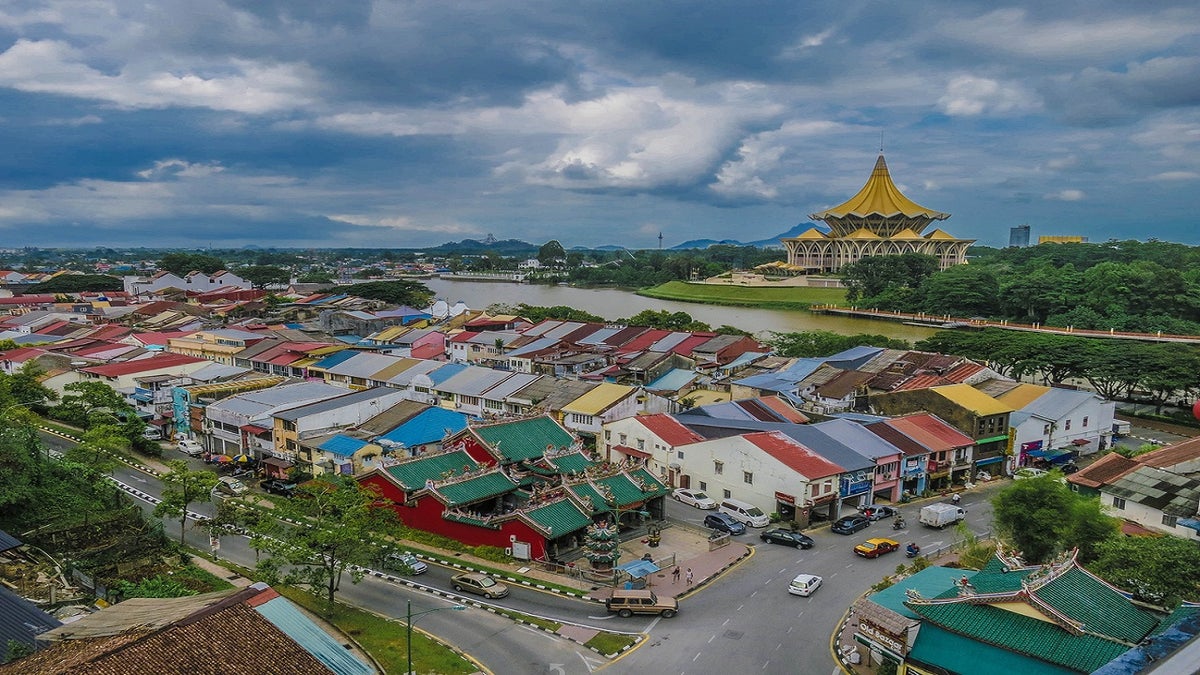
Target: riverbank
762, 295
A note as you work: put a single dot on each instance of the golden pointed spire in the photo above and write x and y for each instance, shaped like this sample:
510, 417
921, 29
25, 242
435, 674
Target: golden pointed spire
880, 198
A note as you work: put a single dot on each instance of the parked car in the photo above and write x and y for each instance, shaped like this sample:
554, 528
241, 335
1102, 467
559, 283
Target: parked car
724, 523
228, 485
804, 584
1069, 468
879, 512
627, 602
189, 447
152, 433
787, 537
695, 498
278, 486
849, 524
873, 548
479, 584
405, 562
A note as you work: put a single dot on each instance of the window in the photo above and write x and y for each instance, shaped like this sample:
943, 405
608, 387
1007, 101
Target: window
580, 418
1067, 426
1046, 430
719, 468
1118, 503
608, 434
678, 454
726, 494
641, 444
703, 486
623, 439
748, 477
1085, 421
1169, 521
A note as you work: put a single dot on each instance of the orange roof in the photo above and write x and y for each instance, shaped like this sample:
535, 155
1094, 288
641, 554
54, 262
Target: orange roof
669, 429
880, 196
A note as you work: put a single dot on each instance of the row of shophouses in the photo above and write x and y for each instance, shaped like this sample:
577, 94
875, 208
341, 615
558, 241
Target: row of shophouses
494, 455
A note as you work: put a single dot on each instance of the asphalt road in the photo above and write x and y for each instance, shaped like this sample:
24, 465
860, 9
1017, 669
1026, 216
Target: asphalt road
744, 622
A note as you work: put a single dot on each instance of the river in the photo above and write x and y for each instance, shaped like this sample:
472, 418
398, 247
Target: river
613, 304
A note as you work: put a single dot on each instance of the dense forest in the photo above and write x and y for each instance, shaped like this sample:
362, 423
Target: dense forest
1120, 285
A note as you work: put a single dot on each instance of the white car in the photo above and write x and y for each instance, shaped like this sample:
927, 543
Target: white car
189, 447
804, 585
695, 498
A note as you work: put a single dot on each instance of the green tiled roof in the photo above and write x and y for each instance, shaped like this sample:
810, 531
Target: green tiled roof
575, 462
460, 518
559, 518
1022, 634
656, 486
413, 473
624, 492
993, 579
1102, 610
476, 489
586, 490
524, 439
959, 654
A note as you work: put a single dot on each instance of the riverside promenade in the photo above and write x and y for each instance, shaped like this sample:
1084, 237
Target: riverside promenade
975, 323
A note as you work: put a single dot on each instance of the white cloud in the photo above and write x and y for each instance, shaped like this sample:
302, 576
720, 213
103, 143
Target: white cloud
180, 168
1065, 196
967, 95
404, 223
54, 67
1174, 176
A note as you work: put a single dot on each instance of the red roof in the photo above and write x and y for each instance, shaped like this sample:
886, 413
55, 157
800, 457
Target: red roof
931, 432
688, 345
643, 341
626, 450
428, 351
669, 429
142, 365
793, 455
784, 410
28, 300
22, 354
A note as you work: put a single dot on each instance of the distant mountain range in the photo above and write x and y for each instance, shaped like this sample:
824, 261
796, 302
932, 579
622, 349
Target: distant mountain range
516, 246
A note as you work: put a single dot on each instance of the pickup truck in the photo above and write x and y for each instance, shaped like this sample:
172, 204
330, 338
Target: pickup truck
940, 515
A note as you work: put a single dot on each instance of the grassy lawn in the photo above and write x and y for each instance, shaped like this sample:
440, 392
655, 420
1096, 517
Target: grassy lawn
611, 643
746, 296
384, 639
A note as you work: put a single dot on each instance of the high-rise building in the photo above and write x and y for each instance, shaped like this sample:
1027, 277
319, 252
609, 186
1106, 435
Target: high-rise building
879, 220
1018, 237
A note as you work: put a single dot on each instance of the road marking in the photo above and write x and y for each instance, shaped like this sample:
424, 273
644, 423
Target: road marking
652, 624
587, 663
606, 617
538, 631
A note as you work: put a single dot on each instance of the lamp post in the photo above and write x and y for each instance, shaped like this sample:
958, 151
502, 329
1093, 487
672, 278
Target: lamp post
408, 624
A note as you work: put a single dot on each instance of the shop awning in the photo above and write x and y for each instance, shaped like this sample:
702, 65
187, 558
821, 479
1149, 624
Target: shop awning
626, 450
989, 460
1186, 522
277, 462
253, 429
991, 439
1080, 442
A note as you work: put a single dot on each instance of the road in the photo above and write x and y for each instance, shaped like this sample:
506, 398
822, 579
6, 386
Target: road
745, 622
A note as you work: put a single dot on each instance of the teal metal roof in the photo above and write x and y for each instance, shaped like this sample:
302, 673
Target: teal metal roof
575, 462
476, 489
292, 622
929, 582
413, 473
524, 439
958, 654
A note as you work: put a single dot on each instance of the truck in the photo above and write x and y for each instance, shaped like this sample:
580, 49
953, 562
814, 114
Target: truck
1120, 428
941, 515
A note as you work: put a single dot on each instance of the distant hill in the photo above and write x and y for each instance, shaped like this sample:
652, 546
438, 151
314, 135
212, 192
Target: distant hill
516, 246
769, 242
498, 246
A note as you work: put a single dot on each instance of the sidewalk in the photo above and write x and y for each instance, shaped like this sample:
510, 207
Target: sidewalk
691, 550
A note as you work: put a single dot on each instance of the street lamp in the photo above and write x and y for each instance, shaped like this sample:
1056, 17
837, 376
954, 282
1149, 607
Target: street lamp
408, 624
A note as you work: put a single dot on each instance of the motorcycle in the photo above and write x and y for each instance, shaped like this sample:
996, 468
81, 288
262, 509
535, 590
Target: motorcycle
898, 524
912, 551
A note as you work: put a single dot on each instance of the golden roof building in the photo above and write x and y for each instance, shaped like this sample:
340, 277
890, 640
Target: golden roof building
879, 220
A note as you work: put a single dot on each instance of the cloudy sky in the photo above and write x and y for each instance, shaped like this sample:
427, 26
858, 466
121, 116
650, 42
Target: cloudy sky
298, 123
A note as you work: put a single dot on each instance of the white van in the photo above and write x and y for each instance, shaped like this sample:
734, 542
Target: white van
746, 513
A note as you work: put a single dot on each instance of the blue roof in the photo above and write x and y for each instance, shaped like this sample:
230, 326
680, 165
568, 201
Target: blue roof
342, 445
853, 358
427, 426
348, 339
7, 541
315, 641
673, 380
446, 372
335, 358
21, 620
639, 568
929, 582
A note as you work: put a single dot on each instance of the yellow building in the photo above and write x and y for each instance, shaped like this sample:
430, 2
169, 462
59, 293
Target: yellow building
877, 221
1062, 239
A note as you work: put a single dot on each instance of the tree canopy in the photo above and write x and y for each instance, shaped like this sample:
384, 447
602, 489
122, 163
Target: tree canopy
1160, 570
180, 263
78, 283
181, 488
261, 276
403, 292
1041, 517
825, 343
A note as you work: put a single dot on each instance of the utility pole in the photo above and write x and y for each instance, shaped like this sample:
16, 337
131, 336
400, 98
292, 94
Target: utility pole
660, 241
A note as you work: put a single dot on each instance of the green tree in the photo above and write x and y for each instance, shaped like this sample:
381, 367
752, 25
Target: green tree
552, 254
816, 343
181, 264
78, 283
90, 401
664, 320
315, 277
1161, 570
872, 276
404, 292
181, 488
1041, 516
261, 276
962, 290
341, 522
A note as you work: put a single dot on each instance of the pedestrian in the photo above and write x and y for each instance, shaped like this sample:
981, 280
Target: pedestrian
676, 574
689, 577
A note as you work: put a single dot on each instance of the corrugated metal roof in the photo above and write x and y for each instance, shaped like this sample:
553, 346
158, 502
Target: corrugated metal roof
428, 426
347, 399
342, 445
603, 397
473, 381
972, 399
288, 619
21, 620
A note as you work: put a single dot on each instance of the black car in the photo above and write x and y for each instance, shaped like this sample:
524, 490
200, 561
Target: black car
724, 523
278, 486
849, 524
787, 537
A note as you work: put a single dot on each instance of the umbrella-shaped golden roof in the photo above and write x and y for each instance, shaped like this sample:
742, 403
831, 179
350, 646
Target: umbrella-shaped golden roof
880, 197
